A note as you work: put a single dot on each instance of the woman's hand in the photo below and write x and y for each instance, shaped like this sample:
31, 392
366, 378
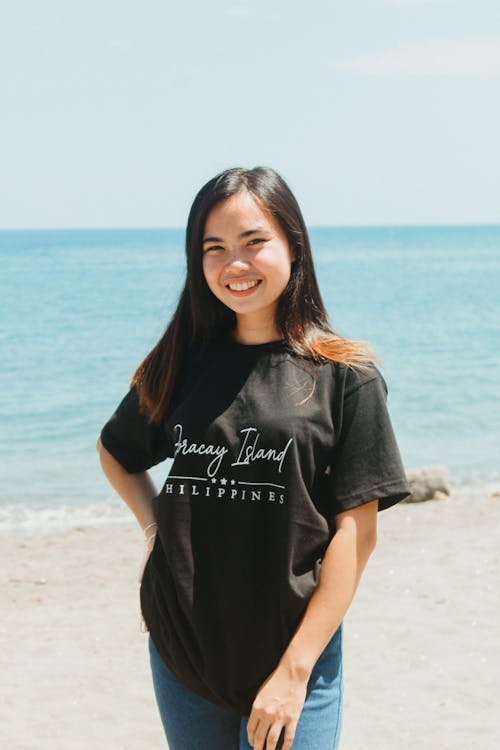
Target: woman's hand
149, 541
278, 704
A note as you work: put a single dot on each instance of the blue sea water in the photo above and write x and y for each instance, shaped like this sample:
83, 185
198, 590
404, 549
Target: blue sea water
81, 308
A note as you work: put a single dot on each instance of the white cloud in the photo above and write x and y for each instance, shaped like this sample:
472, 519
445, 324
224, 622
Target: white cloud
470, 56
411, 2
240, 11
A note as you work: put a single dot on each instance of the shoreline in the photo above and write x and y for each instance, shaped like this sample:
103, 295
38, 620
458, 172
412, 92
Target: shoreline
23, 520
421, 650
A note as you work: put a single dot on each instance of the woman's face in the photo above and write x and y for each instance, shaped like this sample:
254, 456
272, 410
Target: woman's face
246, 260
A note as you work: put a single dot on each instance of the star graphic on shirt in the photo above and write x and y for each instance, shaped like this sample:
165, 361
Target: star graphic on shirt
214, 480
223, 481
233, 481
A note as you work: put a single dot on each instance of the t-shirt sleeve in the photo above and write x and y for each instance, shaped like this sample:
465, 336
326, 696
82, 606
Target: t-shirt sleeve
131, 439
366, 463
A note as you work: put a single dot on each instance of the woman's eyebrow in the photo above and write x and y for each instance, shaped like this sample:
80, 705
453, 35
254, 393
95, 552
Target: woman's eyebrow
240, 236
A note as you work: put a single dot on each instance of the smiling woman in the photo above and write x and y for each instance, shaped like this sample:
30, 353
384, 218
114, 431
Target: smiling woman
246, 273
283, 453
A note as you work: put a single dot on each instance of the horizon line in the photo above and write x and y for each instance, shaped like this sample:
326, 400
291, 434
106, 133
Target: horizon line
139, 228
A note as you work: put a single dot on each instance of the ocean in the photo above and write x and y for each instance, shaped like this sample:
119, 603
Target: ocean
81, 308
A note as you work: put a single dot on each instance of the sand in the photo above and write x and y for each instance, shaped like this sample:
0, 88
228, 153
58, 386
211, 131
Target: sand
421, 638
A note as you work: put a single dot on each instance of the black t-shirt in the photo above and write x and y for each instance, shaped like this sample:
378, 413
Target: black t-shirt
268, 447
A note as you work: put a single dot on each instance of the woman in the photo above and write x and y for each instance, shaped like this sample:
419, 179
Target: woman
283, 454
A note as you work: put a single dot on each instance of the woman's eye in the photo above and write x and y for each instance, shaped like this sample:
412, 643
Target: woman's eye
217, 248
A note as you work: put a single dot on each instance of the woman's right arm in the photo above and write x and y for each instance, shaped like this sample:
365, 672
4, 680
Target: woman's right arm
136, 490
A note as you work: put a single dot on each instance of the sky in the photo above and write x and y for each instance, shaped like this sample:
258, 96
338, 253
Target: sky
383, 112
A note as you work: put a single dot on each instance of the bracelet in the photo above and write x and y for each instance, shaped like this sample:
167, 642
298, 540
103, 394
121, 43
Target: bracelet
149, 526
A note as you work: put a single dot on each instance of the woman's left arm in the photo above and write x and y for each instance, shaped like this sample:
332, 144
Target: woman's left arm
280, 699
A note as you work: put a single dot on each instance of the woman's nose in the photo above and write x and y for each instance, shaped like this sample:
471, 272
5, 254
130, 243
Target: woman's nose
238, 259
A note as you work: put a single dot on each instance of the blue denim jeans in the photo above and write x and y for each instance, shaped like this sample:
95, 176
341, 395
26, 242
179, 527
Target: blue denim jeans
194, 723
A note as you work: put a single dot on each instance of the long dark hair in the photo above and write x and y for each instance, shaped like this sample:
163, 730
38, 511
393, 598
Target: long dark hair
200, 317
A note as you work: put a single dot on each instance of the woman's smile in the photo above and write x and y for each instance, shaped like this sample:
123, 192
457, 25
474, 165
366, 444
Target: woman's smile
243, 288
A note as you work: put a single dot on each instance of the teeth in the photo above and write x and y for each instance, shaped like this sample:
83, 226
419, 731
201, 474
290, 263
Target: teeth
242, 286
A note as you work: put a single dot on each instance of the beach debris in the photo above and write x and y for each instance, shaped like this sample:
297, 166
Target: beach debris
428, 483
438, 495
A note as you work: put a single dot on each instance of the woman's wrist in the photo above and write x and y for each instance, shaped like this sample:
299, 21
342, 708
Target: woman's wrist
150, 529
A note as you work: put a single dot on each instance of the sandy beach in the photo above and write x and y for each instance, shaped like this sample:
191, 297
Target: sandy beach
421, 643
